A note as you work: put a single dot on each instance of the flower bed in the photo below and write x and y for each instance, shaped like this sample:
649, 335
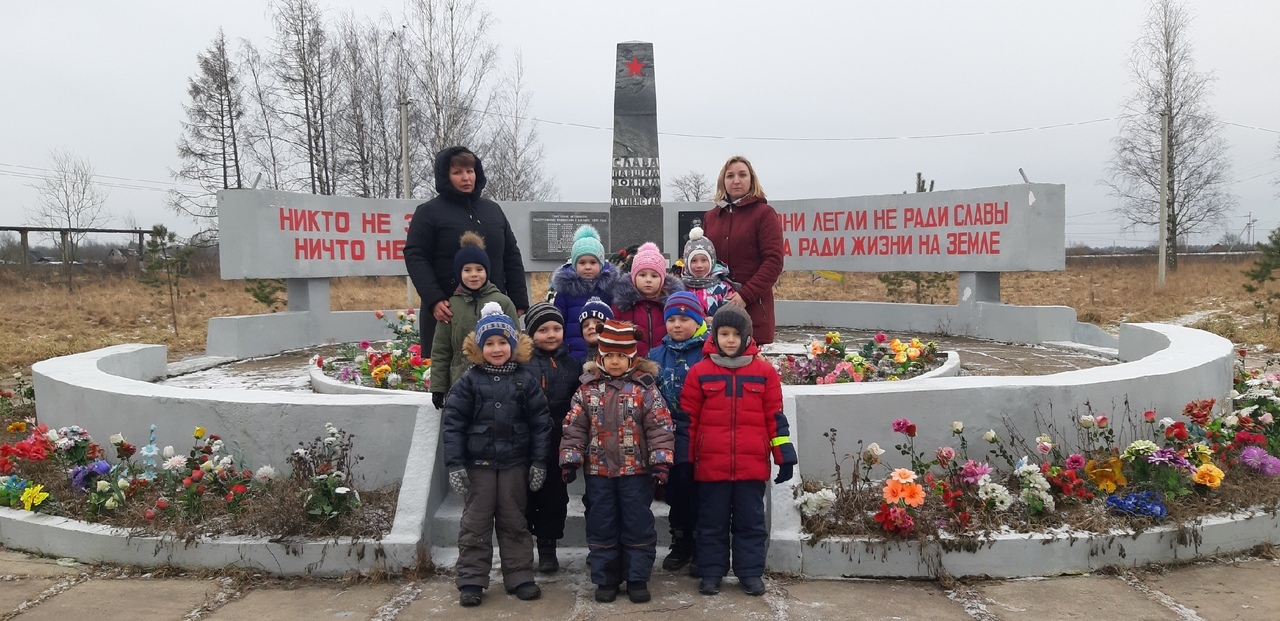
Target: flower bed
397, 365
1094, 475
881, 358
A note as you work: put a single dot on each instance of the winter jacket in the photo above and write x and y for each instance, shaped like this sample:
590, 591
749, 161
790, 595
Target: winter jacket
618, 426
713, 289
493, 420
748, 239
448, 361
559, 375
439, 223
674, 358
735, 418
572, 292
645, 313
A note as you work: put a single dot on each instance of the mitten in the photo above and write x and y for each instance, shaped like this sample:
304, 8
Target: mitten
537, 476
660, 472
568, 473
785, 471
437, 399
459, 481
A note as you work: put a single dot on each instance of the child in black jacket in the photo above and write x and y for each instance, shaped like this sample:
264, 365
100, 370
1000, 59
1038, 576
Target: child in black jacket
559, 375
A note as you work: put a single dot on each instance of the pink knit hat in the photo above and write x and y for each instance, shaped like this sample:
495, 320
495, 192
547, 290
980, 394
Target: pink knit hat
648, 257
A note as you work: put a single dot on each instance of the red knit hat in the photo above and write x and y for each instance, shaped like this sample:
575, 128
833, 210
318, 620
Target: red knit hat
617, 337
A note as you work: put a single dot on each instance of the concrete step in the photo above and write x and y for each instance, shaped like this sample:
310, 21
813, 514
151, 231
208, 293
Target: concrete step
444, 529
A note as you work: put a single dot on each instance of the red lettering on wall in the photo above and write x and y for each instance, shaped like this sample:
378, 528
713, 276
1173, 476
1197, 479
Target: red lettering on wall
375, 222
390, 249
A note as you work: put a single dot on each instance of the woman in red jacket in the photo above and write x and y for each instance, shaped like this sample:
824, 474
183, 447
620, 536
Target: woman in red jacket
748, 238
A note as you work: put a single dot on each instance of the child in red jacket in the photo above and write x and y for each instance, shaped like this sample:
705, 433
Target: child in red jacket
734, 401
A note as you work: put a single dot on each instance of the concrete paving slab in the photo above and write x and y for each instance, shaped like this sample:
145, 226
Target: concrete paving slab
124, 600
19, 564
1072, 597
311, 602
857, 601
572, 597
14, 592
1245, 591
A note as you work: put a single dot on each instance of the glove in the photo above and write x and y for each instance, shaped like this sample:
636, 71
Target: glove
437, 399
785, 472
568, 473
459, 481
660, 472
537, 476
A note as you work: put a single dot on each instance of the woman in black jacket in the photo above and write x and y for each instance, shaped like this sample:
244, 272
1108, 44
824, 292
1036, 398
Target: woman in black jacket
439, 223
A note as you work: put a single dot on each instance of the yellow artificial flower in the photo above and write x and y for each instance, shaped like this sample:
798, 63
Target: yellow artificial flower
1208, 475
33, 496
833, 338
915, 342
1106, 474
900, 357
198, 433
17, 426
896, 346
913, 353
379, 374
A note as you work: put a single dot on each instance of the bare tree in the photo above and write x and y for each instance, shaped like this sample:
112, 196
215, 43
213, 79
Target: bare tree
262, 126
210, 143
366, 124
303, 65
692, 187
68, 198
452, 60
1199, 168
513, 153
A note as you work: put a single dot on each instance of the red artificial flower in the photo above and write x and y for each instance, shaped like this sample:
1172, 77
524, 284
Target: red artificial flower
6, 394
199, 489
1199, 411
239, 489
125, 450
150, 514
6, 465
911, 430
197, 475
94, 452
379, 314
320, 361
230, 497
415, 361
162, 504
1177, 431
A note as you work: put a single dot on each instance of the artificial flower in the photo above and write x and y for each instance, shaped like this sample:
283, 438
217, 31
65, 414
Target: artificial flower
1208, 475
945, 454
17, 427
990, 436
33, 496
1086, 421
1107, 474
1075, 461
198, 433
973, 471
1149, 416
902, 475
1102, 421
265, 474
957, 427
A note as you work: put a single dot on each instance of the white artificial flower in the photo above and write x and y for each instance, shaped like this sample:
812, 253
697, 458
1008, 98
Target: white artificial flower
175, 462
342, 490
406, 328
103, 486
1165, 422
116, 439
300, 452
816, 503
875, 450
360, 359
110, 504
1266, 418
207, 466
52, 435
168, 452
225, 461
265, 473
990, 436
123, 484
1086, 421
1246, 411
337, 474
957, 427
217, 446
1231, 421
393, 379
330, 440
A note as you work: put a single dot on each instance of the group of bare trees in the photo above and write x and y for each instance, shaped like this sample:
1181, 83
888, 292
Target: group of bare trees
318, 108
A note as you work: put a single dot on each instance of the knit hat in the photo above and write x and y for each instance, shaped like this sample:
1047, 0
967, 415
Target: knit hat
618, 337
698, 244
732, 315
471, 250
494, 323
541, 313
684, 303
586, 240
648, 257
595, 308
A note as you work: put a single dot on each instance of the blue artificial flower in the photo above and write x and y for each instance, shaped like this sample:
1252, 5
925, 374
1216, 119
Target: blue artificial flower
1138, 504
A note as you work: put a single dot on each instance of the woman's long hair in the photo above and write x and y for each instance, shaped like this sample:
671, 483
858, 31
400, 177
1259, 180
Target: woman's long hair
755, 189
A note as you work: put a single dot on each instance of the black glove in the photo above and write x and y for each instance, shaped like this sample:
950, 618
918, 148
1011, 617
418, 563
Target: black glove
437, 399
785, 472
568, 473
660, 473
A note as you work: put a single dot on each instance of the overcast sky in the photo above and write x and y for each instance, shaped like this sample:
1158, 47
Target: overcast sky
108, 80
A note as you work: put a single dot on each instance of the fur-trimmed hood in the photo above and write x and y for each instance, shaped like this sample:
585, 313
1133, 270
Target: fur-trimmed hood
566, 280
524, 349
626, 296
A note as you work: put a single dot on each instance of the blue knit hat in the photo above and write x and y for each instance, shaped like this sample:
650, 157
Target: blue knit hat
494, 323
470, 250
595, 308
586, 240
684, 303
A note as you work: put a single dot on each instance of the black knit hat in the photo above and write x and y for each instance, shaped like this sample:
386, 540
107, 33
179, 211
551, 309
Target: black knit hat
541, 313
470, 250
732, 315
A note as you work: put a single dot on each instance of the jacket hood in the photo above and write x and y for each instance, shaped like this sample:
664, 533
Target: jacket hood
643, 366
744, 202
626, 296
444, 187
524, 349
568, 281
488, 288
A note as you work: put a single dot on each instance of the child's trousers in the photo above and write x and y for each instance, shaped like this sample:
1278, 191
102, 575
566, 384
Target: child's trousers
731, 508
496, 497
620, 523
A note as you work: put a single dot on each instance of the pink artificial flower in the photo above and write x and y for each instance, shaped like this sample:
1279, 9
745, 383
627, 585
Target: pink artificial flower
1266, 418
973, 471
901, 425
945, 454
1044, 448
1103, 421
1075, 461
365, 345
881, 338
379, 314
415, 348
1149, 416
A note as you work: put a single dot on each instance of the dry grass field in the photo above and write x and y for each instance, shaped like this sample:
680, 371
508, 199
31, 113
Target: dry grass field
40, 319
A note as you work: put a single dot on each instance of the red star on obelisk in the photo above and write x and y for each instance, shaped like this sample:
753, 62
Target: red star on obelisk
635, 67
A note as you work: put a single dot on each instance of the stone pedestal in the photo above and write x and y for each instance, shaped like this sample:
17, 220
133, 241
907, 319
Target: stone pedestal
635, 209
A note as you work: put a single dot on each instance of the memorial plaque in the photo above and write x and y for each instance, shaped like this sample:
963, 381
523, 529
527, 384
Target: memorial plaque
688, 220
551, 232
635, 207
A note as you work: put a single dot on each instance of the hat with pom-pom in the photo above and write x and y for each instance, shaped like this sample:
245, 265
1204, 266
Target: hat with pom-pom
470, 250
698, 244
618, 337
648, 257
684, 303
595, 308
493, 322
586, 240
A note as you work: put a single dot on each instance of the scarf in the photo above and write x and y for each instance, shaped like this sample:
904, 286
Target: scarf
506, 368
734, 362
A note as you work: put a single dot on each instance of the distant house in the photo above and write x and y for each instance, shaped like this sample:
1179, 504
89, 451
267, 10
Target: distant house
119, 257
34, 257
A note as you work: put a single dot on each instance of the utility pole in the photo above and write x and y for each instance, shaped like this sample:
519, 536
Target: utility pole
405, 183
1164, 196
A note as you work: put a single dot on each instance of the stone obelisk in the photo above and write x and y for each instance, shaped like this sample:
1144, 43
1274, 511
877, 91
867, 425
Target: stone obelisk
635, 209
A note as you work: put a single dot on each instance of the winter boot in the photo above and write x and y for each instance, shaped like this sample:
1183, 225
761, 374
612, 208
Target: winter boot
681, 551
606, 593
752, 585
547, 561
710, 585
528, 591
638, 592
470, 596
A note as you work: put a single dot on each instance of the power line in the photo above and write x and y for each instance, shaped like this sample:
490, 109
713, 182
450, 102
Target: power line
121, 186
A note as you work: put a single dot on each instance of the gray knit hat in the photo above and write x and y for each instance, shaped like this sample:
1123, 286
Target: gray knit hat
541, 313
698, 244
732, 315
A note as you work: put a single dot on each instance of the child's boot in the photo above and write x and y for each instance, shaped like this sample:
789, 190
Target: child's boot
470, 595
752, 585
681, 551
547, 561
638, 592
